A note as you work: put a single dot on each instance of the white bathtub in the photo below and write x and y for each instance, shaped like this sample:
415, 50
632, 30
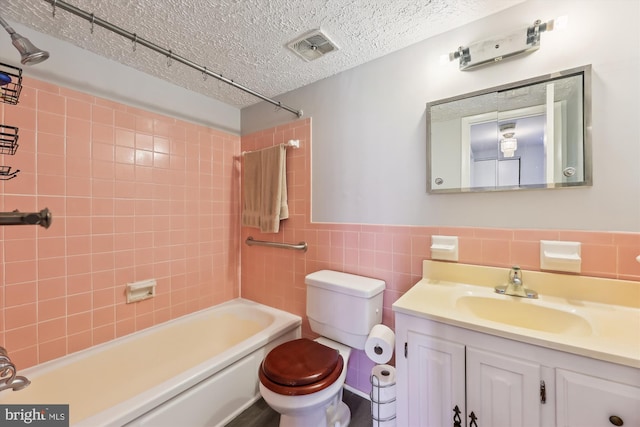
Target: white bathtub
198, 370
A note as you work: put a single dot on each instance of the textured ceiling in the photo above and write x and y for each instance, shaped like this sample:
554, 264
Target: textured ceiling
245, 40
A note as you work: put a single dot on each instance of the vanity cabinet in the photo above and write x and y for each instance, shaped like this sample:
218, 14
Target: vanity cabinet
434, 381
591, 400
504, 382
503, 389
450, 382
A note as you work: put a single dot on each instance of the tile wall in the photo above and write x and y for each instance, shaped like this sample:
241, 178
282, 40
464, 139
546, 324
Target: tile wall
137, 195
134, 196
392, 253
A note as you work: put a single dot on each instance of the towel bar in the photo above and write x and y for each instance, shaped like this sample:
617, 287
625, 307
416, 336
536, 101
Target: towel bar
302, 246
295, 143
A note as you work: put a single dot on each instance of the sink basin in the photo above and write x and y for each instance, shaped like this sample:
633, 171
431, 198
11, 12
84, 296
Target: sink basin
589, 316
525, 314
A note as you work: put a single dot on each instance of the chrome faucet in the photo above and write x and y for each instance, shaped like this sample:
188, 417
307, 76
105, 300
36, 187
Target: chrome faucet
515, 286
8, 377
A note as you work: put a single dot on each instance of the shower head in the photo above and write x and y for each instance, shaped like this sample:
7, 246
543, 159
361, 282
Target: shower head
30, 55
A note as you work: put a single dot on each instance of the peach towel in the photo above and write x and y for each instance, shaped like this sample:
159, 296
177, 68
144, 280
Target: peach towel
264, 184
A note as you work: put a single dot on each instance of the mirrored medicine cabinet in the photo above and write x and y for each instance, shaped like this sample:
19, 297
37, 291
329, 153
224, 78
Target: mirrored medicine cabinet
529, 134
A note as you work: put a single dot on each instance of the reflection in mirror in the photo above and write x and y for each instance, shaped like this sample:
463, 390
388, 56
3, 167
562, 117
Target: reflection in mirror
529, 134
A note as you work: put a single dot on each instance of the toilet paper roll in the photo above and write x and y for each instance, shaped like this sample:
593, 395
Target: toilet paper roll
383, 411
383, 396
383, 384
388, 423
379, 344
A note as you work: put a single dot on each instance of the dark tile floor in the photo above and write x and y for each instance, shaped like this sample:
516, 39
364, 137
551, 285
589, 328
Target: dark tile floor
261, 415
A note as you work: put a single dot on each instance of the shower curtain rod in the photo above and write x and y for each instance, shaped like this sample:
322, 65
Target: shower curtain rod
168, 53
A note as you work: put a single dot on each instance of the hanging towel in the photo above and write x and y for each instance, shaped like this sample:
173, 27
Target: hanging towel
251, 189
265, 189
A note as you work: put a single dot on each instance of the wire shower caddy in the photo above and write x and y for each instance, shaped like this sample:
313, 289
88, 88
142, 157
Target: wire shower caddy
10, 92
10, 88
8, 139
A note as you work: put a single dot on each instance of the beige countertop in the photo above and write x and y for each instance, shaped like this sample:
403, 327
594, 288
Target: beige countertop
593, 317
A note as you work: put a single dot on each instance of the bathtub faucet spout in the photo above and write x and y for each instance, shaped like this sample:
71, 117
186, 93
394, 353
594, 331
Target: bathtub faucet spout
8, 377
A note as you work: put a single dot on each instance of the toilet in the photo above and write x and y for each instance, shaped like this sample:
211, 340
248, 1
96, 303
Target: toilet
302, 379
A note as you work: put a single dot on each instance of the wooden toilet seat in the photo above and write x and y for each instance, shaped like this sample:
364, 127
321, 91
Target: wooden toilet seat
300, 367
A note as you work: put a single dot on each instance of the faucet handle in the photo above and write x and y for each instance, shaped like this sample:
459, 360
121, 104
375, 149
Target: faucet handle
515, 273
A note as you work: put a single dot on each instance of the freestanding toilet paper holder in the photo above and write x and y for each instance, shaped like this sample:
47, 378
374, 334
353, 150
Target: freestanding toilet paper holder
375, 400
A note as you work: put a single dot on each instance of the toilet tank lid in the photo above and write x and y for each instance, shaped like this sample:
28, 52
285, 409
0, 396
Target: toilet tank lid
345, 283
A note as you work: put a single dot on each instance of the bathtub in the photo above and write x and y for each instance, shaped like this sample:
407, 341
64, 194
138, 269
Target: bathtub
198, 370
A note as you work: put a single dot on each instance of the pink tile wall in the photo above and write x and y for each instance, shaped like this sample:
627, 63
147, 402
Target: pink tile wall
392, 253
137, 195
134, 195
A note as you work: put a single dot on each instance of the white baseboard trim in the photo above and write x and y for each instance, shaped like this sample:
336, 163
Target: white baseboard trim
357, 392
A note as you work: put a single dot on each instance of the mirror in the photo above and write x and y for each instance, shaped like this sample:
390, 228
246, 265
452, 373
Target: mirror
529, 134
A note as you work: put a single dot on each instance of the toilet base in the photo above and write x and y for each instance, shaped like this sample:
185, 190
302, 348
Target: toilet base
341, 416
333, 416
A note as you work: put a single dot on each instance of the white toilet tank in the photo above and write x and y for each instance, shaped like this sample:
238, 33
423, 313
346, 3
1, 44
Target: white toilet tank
343, 307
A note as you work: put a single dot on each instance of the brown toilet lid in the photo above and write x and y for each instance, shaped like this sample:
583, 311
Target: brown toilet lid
300, 362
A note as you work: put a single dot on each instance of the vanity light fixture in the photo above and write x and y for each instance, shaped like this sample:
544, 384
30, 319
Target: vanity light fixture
508, 142
508, 130
508, 146
502, 47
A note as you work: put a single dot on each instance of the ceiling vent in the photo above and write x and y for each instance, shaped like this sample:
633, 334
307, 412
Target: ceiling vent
312, 45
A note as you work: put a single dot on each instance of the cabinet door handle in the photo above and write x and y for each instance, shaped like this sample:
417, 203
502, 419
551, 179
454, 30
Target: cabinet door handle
473, 420
616, 420
543, 392
457, 421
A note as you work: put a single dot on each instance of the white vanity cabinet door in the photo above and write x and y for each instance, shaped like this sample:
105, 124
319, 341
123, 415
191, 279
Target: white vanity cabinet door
438, 373
436, 381
586, 400
502, 390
